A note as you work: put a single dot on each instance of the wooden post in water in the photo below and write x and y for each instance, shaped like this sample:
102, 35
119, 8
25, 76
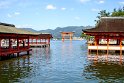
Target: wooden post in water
96, 44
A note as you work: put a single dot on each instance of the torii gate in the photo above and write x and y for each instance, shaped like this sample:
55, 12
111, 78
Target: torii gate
63, 34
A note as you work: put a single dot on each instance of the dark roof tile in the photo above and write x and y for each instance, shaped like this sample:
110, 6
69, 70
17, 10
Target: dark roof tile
108, 24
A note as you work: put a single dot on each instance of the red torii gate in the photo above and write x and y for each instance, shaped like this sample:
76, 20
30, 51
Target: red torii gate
70, 34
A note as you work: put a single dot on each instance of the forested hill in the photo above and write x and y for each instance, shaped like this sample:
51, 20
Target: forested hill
56, 32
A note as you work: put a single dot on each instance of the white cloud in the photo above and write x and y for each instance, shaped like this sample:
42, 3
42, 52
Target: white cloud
17, 13
101, 2
77, 18
13, 14
63, 8
50, 7
95, 10
84, 1
122, 3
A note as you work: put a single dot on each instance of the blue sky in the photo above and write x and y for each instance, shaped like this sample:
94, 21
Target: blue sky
49, 14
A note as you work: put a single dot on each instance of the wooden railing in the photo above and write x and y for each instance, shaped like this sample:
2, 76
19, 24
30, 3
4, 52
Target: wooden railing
105, 47
38, 42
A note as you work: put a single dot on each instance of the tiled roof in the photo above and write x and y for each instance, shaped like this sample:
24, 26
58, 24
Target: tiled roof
108, 24
7, 28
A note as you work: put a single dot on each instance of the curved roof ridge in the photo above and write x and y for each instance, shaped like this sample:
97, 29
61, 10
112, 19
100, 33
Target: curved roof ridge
112, 17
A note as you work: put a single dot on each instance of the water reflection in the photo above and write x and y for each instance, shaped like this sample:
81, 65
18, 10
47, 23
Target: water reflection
63, 62
42, 53
104, 72
14, 69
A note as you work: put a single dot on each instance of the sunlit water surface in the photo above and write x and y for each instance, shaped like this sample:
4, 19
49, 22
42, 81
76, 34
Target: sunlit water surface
63, 62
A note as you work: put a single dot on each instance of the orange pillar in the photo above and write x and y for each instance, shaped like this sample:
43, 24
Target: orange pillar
107, 49
70, 36
63, 37
120, 50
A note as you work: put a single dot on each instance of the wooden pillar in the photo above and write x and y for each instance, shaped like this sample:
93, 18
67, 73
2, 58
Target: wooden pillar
28, 42
17, 46
10, 44
107, 45
36, 40
49, 41
96, 44
63, 37
32, 41
17, 43
28, 46
88, 48
40, 40
70, 37
23, 43
107, 49
120, 49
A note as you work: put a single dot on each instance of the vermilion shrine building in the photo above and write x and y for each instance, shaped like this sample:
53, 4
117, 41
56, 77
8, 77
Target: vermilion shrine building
108, 35
15, 41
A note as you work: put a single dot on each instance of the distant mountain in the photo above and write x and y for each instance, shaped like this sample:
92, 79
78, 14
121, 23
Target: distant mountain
29, 29
56, 32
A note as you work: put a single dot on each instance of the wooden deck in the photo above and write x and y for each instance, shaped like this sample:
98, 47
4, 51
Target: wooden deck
5, 51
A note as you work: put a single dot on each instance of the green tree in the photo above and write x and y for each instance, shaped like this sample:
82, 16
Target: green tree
118, 12
87, 37
102, 13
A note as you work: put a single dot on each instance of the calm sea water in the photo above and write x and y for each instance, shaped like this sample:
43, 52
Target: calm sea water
63, 62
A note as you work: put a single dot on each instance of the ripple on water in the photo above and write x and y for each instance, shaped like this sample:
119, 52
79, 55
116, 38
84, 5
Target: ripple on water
63, 62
